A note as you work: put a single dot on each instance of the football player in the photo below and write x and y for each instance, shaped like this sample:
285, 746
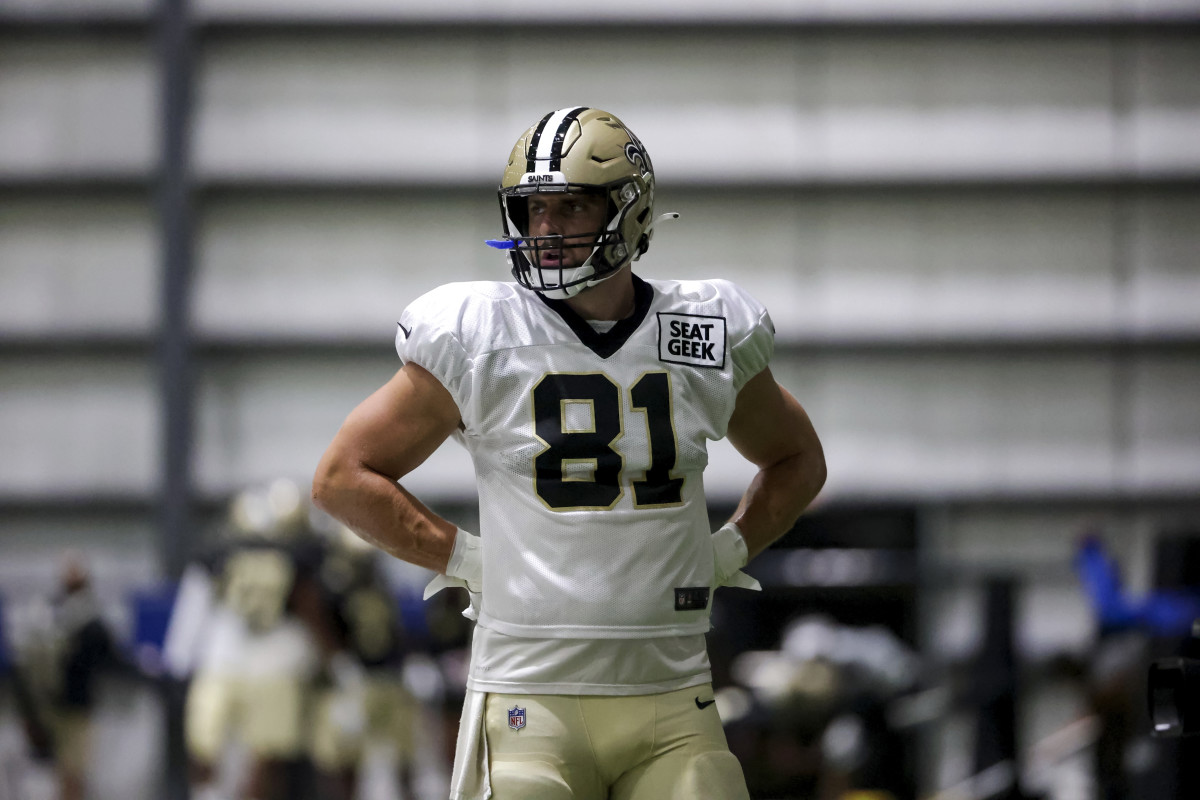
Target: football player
366, 701
259, 647
586, 396
56, 671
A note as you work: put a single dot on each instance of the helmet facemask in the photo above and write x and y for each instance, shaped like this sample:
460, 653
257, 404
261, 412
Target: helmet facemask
608, 250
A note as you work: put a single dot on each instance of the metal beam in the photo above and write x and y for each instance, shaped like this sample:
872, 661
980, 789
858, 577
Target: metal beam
174, 346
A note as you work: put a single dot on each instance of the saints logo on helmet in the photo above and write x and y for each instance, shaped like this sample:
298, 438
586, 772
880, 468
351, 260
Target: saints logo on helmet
585, 151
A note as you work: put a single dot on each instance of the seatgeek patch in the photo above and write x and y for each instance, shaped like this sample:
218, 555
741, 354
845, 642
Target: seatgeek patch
692, 339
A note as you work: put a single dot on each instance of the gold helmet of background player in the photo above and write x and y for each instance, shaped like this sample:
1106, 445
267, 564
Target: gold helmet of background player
579, 150
278, 510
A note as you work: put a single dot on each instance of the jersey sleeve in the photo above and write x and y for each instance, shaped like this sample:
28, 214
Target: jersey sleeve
428, 335
753, 336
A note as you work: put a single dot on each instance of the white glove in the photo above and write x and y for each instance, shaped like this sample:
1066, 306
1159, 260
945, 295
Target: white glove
464, 570
730, 554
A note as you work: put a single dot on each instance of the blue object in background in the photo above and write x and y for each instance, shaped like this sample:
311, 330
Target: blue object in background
1162, 613
152, 608
411, 607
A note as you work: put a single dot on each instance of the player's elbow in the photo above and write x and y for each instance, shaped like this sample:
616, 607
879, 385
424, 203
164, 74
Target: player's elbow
818, 470
331, 481
815, 466
808, 470
320, 491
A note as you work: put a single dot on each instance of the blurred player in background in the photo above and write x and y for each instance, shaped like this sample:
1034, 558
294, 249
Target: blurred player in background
57, 664
365, 703
253, 631
447, 641
586, 396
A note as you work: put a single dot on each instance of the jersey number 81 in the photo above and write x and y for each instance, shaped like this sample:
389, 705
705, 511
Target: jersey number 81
579, 468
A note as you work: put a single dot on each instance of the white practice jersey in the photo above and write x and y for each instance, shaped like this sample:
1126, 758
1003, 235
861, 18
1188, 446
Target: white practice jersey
589, 448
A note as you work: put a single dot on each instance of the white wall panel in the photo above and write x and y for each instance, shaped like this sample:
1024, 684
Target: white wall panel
766, 242
1165, 273
774, 107
1166, 421
1164, 122
947, 263
971, 263
403, 105
967, 105
904, 264
76, 104
261, 418
707, 105
944, 425
77, 265
77, 425
793, 106
334, 265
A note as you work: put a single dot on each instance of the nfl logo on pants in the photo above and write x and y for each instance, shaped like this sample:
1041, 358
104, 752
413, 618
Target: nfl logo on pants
516, 718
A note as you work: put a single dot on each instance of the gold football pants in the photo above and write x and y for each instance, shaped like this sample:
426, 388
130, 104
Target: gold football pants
668, 746
268, 715
390, 714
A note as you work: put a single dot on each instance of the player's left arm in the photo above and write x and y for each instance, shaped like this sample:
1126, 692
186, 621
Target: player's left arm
772, 431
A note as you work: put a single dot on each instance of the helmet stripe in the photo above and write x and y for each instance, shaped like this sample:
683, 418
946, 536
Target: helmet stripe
560, 134
531, 150
545, 152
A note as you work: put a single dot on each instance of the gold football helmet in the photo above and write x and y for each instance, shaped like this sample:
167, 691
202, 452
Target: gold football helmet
277, 511
577, 150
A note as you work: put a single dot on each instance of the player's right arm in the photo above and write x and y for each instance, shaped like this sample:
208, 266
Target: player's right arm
387, 436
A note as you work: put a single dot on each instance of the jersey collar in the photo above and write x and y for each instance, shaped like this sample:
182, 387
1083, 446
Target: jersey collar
609, 342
